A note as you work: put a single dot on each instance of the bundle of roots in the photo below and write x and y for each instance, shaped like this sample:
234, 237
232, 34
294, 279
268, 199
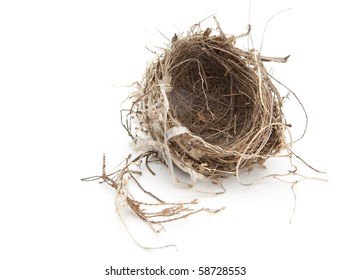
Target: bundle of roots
208, 107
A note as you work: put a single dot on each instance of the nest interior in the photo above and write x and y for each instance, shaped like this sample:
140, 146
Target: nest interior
208, 107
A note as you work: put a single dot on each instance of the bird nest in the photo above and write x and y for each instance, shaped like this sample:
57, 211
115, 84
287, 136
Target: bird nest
208, 107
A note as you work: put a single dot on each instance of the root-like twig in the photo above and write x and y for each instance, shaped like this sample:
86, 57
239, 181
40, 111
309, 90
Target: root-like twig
153, 213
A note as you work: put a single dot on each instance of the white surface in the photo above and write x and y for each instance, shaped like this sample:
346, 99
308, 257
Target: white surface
59, 113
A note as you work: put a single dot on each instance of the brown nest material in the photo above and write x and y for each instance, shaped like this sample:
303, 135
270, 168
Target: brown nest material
208, 107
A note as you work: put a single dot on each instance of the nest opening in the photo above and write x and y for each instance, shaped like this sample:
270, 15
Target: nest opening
212, 91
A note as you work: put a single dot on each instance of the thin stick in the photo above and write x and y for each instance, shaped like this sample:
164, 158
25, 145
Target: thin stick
303, 161
138, 243
262, 39
295, 202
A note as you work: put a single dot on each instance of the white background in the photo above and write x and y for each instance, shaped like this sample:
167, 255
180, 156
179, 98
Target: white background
59, 112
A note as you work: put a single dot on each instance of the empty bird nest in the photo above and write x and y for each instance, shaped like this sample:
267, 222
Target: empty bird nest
208, 107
